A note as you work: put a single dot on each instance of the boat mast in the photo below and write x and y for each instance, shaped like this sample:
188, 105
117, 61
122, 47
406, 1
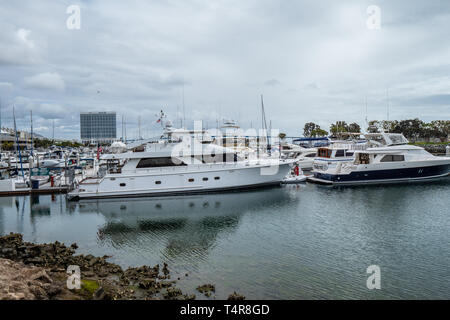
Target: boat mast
31, 117
184, 110
264, 122
123, 137
0, 114
0, 121
17, 144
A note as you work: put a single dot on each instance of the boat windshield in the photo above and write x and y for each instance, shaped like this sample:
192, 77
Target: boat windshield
324, 153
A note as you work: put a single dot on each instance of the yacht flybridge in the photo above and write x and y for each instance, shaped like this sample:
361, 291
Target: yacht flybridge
179, 165
391, 162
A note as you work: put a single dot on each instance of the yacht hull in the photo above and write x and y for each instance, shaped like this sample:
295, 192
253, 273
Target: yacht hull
397, 175
179, 183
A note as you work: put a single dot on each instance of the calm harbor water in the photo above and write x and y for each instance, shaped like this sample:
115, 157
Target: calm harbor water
293, 242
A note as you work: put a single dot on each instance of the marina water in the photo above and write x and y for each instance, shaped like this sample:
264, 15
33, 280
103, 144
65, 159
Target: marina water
293, 242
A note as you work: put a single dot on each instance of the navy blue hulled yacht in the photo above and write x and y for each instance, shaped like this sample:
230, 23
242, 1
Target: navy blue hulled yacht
389, 163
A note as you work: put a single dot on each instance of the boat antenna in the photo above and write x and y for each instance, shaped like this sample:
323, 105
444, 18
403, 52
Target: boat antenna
387, 100
367, 122
139, 128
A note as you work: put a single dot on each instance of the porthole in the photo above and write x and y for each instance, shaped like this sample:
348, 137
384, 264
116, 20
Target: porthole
216, 178
205, 179
191, 180
123, 184
157, 182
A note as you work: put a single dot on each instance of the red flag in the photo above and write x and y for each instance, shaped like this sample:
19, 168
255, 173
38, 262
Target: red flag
99, 149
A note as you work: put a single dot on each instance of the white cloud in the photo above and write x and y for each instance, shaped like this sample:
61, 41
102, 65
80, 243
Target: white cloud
312, 61
46, 81
17, 46
23, 35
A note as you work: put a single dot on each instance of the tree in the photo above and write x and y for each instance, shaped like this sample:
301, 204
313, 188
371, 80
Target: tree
339, 126
440, 129
309, 128
319, 132
373, 126
411, 129
313, 130
354, 127
7, 145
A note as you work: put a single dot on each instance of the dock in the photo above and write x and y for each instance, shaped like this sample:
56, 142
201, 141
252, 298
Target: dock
28, 191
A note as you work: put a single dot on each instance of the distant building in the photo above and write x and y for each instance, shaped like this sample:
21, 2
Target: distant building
98, 127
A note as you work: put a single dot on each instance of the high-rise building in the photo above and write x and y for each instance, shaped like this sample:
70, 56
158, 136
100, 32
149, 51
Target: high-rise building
98, 126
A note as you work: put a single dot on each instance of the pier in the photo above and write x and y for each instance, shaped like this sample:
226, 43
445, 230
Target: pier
41, 190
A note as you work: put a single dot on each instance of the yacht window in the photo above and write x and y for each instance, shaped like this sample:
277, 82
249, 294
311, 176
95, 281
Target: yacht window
123, 184
349, 154
324, 153
158, 162
191, 180
216, 178
311, 155
205, 179
364, 158
157, 182
392, 158
230, 157
339, 153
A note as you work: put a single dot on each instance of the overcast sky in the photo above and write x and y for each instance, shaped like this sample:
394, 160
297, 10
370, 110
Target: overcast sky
313, 61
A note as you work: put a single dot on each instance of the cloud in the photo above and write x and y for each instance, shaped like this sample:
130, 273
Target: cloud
272, 82
312, 61
24, 38
312, 85
431, 100
17, 46
46, 81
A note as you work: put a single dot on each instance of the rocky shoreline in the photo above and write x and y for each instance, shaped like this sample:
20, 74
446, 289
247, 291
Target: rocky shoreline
39, 271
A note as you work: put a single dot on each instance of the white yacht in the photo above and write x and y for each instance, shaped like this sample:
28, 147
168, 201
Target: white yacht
343, 151
179, 165
304, 156
395, 162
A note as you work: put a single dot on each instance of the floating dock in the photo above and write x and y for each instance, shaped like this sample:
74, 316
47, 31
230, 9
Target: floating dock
28, 191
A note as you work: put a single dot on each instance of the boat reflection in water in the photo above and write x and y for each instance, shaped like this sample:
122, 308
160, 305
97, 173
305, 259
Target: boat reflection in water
178, 228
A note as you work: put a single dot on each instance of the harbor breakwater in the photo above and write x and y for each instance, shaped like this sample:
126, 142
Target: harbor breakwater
39, 271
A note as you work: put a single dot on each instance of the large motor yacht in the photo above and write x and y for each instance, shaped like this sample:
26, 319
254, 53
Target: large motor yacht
179, 165
392, 162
